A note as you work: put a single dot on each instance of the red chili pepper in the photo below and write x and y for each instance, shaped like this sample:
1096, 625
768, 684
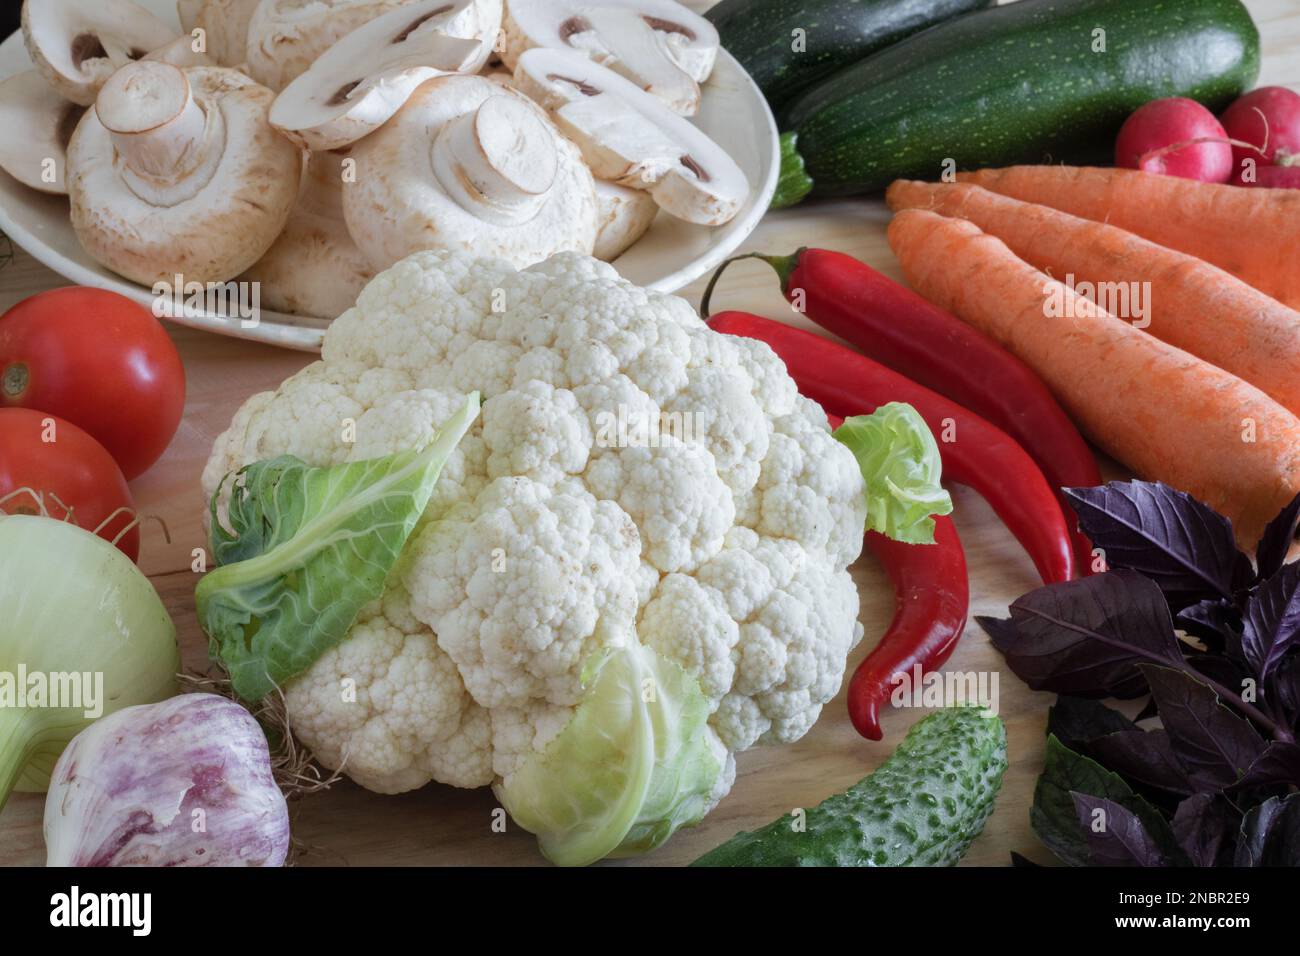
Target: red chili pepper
898, 328
932, 597
931, 601
974, 452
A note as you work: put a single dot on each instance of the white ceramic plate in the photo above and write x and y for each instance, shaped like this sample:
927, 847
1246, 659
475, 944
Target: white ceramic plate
671, 255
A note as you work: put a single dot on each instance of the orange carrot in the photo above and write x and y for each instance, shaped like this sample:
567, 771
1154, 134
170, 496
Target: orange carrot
1252, 233
1165, 413
1174, 296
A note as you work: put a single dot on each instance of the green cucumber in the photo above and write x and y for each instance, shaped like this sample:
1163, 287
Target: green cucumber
922, 807
788, 45
1021, 83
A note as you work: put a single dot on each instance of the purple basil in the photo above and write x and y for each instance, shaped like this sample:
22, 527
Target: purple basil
1205, 774
1180, 543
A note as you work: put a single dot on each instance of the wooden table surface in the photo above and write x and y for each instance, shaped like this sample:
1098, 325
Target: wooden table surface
442, 825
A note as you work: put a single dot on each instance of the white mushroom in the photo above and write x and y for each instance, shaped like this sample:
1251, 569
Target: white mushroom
624, 216
314, 268
179, 172
37, 124
469, 164
225, 27
361, 81
629, 137
659, 45
77, 45
285, 37
181, 52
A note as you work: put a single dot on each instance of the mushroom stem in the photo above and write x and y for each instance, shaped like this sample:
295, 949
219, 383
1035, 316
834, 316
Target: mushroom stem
156, 125
498, 162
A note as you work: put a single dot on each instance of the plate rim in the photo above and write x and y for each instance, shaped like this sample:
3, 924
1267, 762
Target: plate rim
306, 333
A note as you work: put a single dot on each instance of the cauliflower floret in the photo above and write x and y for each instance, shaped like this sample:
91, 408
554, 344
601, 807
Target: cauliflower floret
674, 494
388, 706
633, 476
523, 585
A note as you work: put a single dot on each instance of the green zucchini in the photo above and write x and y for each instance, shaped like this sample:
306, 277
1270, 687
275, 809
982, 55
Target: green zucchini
788, 45
1022, 83
922, 807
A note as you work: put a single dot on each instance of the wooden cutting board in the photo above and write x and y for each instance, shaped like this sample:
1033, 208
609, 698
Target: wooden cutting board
441, 825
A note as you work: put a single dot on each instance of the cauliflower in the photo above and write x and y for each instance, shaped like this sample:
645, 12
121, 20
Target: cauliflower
642, 503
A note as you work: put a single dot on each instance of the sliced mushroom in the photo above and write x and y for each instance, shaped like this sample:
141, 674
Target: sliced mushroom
629, 137
179, 172
361, 81
225, 28
181, 52
314, 268
77, 45
624, 216
285, 37
37, 124
469, 164
659, 45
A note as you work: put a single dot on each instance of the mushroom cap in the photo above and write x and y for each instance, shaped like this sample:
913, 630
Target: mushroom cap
285, 37
659, 45
76, 46
225, 23
361, 81
629, 137
625, 216
37, 124
209, 229
399, 204
314, 268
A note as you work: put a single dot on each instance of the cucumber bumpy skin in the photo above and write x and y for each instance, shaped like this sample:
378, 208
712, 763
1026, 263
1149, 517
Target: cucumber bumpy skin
922, 807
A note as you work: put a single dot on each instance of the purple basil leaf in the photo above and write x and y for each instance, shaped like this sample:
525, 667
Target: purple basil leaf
1144, 756
1221, 670
1084, 637
1278, 765
1182, 544
1285, 687
1215, 622
1053, 814
1272, 621
1206, 825
1076, 721
1215, 745
1114, 834
1107, 736
1276, 540
1270, 834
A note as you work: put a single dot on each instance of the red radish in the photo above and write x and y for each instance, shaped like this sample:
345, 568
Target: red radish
1268, 118
1176, 137
1275, 177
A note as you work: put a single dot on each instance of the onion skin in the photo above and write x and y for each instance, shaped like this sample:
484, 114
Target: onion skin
186, 782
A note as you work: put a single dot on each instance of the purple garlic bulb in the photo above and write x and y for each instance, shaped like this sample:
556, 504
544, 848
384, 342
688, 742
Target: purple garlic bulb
186, 782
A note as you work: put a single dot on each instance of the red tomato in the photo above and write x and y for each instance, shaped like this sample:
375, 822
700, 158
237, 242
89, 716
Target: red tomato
100, 361
60, 461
